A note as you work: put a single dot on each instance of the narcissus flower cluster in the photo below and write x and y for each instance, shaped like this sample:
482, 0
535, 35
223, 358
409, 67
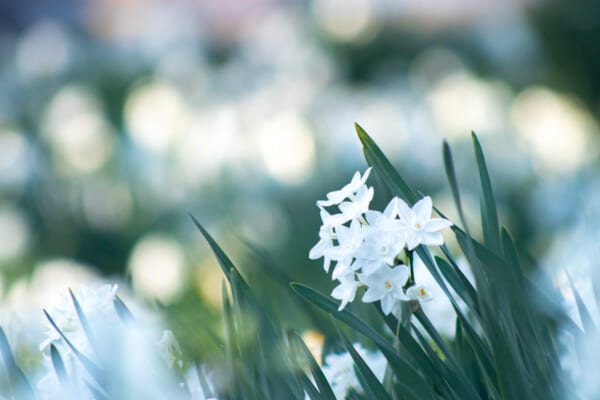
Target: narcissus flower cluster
366, 245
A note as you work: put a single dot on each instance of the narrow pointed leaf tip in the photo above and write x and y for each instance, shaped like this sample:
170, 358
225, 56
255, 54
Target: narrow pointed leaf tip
224, 261
384, 168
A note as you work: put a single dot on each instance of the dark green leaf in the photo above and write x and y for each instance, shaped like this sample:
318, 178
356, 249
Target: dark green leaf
224, 262
317, 373
489, 214
410, 380
369, 381
384, 168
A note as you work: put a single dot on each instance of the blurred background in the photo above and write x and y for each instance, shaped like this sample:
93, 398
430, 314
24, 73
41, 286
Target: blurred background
119, 116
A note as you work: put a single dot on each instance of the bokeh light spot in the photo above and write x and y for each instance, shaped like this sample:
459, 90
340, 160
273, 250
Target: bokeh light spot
157, 266
287, 148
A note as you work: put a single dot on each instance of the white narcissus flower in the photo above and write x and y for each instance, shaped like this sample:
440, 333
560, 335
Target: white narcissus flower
379, 248
386, 220
332, 220
348, 191
346, 290
420, 227
97, 304
418, 292
349, 239
352, 210
386, 285
326, 236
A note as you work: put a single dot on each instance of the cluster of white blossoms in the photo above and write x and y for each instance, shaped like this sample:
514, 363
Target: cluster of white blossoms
366, 244
137, 352
339, 370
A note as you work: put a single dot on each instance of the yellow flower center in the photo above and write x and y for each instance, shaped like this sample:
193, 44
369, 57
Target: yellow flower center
388, 285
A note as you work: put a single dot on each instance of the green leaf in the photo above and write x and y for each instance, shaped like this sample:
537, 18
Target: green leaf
320, 379
224, 261
408, 378
369, 381
489, 213
231, 347
311, 390
462, 383
384, 168
459, 282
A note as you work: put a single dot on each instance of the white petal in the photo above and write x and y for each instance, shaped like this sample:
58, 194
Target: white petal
326, 264
436, 224
401, 275
372, 267
391, 210
317, 250
325, 203
372, 217
334, 220
356, 181
366, 175
387, 303
372, 294
423, 208
432, 238
344, 292
413, 239
404, 211
339, 270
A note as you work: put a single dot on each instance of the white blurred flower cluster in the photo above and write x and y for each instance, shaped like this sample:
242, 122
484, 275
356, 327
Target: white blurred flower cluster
367, 250
339, 370
129, 359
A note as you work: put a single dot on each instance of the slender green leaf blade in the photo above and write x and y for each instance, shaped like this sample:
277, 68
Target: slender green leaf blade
368, 379
491, 229
224, 261
407, 376
320, 379
384, 168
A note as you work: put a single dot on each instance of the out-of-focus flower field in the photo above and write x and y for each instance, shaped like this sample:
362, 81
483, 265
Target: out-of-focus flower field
116, 117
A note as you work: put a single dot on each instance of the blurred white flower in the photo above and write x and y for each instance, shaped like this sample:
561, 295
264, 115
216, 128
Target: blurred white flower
339, 370
97, 305
168, 348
